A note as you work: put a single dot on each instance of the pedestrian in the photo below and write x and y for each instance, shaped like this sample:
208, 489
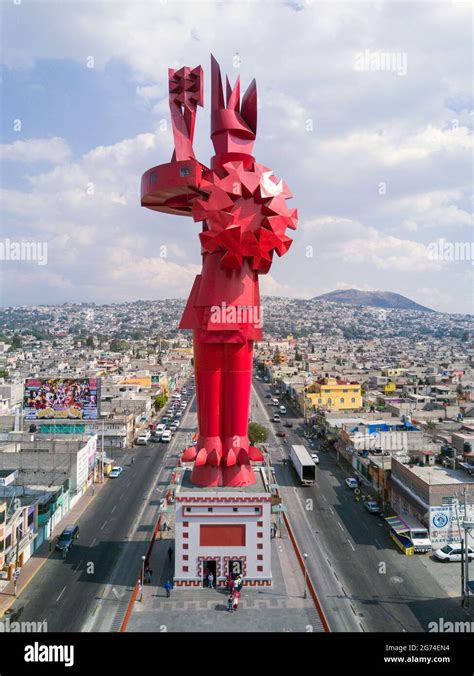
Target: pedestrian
170, 553
236, 599
210, 581
230, 603
231, 585
168, 588
148, 573
132, 460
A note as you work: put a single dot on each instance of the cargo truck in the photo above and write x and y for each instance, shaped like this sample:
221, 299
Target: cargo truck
304, 464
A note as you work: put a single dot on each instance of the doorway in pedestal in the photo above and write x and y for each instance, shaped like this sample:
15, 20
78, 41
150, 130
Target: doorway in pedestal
207, 568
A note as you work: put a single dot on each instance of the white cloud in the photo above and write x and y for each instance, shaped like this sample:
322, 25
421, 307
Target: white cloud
53, 150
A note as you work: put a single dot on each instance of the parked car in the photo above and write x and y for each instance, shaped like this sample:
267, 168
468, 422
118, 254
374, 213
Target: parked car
373, 507
67, 537
315, 458
283, 409
281, 433
288, 423
166, 436
268, 396
172, 428
276, 418
178, 414
452, 552
116, 471
176, 423
352, 483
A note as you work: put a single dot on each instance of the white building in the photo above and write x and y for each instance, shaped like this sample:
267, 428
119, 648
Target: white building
224, 530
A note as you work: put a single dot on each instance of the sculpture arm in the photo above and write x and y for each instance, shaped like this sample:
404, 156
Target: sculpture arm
171, 188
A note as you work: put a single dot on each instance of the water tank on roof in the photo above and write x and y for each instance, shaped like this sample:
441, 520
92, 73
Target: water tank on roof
467, 447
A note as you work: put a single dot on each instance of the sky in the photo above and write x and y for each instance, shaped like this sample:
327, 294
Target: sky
365, 110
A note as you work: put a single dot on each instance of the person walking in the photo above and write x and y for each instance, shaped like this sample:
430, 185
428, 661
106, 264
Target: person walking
236, 599
170, 554
148, 574
230, 603
210, 581
168, 588
132, 460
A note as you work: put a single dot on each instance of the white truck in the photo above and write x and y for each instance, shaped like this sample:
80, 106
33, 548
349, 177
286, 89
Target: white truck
303, 463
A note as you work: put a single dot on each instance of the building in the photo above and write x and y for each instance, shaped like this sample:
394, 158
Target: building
224, 530
335, 394
435, 495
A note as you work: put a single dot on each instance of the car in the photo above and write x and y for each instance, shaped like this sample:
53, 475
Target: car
275, 402
143, 438
268, 396
452, 552
160, 428
67, 537
176, 423
281, 433
373, 507
315, 458
165, 419
116, 471
283, 410
173, 428
288, 423
166, 436
276, 418
352, 483
178, 414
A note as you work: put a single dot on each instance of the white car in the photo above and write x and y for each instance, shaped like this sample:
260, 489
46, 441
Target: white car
160, 428
315, 457
116, 471
144, 438
352, 483
452, 552
166, 436
282, 410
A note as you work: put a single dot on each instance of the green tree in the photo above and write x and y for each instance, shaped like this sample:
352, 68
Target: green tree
160, 401
4, 373
257, 433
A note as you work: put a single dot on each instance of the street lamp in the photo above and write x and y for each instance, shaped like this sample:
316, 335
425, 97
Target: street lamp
142, 577
305, 556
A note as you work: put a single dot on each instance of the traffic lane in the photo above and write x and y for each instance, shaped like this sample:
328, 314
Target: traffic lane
402, 598
355, 569
332, 596
104, 527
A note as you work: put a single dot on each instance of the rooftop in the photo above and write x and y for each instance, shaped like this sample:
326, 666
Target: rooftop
439, 476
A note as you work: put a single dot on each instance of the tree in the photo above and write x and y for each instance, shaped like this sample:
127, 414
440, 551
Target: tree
16, 341
4, 373
257, 433
160, 401
90, 342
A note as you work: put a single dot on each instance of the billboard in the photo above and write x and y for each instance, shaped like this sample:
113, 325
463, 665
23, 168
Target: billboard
73, 398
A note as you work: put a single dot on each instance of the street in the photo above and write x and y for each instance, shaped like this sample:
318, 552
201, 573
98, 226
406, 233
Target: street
90, 590
363, 581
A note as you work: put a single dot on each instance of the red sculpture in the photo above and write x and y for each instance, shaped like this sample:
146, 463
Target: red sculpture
245, 215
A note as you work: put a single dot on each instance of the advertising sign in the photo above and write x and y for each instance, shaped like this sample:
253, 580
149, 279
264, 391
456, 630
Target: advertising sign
72, 398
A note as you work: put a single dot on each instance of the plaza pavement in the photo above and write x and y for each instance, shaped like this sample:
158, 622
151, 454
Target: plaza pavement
280, 608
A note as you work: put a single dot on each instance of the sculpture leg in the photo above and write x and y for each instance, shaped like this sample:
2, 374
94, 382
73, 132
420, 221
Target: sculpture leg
236, 392
208, 360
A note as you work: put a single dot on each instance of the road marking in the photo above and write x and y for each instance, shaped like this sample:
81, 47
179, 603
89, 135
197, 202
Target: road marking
324, 497
79, 564
92, 543
61, 594
340, 526
103, 525
113, 509
331, 510
353, 548
377, 543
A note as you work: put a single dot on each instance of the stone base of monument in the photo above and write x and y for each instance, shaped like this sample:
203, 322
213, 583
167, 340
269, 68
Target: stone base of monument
223, 530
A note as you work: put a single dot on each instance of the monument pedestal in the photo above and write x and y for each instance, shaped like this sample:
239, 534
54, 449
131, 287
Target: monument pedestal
223, 530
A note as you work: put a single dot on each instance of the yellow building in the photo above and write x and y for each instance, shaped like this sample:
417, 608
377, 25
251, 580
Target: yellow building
335, 394
389, 387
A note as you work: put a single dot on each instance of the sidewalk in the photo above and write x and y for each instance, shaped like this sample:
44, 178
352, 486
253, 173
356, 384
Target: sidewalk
278, 608
41, 555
